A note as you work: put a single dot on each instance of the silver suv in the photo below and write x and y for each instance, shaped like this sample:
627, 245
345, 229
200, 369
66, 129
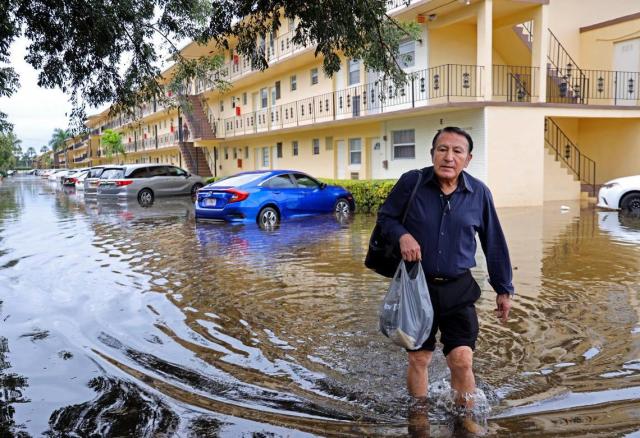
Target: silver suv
146, 181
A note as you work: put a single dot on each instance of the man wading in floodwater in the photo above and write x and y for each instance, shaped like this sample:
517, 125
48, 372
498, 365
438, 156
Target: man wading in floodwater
449, 209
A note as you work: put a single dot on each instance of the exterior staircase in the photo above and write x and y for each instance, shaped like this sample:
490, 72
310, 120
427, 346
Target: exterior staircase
199, 126
194, 159
581, 168
566, 82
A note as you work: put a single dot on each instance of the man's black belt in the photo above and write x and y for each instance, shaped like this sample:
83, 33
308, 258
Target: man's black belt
440, 279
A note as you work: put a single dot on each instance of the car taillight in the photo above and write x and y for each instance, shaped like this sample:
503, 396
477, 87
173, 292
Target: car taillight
123, 182
73, 180
237, 195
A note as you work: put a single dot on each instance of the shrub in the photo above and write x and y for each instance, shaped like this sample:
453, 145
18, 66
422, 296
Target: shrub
212, 179
368, 194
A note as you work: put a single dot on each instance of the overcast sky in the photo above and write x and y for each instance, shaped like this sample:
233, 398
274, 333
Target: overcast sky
35, 112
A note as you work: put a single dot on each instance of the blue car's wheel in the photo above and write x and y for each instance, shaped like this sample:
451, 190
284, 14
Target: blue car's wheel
268, 217
342, 207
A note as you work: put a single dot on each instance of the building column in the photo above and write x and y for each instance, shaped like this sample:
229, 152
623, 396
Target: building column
540, 49
484, 55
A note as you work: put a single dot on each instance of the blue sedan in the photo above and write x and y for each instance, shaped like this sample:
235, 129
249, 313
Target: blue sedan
267, 197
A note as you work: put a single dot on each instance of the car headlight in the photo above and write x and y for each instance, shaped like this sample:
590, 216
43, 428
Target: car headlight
610, 185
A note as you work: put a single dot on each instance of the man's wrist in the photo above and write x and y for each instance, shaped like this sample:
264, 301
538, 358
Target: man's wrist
507, 293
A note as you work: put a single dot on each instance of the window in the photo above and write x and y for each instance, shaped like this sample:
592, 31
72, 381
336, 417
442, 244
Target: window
238, 180
176, 171
264, 98
244, 98
316, 146
279, 150
293, 80
407, 54
265, 157
291, 23
305, 181
354, 71
294, 148
273, 96
142, 172
277, 89
355, 151
280, 182
314, 76
246, 152
226, 153
112, 174
404, 144
221, 106
235, 154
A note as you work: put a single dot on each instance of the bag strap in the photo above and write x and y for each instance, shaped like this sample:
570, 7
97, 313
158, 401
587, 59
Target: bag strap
413, 195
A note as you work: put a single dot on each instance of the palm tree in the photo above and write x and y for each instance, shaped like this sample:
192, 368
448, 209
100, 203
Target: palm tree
112, 144
44, 149
57, 142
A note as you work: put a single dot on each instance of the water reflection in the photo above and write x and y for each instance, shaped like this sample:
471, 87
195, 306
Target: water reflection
129, 320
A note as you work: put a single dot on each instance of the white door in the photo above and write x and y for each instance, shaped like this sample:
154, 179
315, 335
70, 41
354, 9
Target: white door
341, 162
377, 157
626, 63
274, 157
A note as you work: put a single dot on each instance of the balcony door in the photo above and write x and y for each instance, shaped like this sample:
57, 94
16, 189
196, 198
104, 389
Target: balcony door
626, 63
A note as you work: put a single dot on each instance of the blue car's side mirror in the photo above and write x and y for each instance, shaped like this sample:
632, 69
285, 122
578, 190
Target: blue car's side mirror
323, 185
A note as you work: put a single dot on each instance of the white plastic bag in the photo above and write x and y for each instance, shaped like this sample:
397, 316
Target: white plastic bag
406, 314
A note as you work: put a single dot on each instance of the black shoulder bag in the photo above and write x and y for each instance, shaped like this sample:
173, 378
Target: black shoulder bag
383, 256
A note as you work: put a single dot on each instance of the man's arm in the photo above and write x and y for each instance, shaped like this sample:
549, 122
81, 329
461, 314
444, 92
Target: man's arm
495, 249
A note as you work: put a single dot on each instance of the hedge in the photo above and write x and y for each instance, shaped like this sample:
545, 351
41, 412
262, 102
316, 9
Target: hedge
368, 194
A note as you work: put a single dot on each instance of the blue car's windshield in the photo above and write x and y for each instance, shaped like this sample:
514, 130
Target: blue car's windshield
237, 180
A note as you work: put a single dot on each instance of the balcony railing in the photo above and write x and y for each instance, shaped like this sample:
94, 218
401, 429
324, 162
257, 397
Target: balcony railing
601, 87
441, 84
515, 83
80, 158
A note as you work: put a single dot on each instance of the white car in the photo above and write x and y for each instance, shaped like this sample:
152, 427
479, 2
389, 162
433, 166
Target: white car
621, 194
80, 180
57, 174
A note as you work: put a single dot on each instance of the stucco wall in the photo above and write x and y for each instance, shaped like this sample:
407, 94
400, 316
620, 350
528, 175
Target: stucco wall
614, 144
455, 44
515, 155
567, 16
597, 45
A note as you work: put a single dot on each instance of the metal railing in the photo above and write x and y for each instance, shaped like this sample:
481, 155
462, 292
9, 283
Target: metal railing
566, 151
515, 83
566, 82
446, 83
612, 87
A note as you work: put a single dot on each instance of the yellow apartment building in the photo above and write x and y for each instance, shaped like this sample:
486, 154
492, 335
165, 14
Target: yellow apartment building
547, 88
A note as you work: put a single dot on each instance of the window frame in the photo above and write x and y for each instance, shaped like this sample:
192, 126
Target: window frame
353, 62
315, 146
315, 77
401, 55
402, 145
352, 151
293, 83
294, 148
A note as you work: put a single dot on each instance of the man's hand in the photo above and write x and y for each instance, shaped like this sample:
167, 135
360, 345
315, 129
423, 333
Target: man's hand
503, 303
409, 248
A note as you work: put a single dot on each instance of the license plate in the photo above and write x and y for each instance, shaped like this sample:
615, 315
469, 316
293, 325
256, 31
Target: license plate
209, 202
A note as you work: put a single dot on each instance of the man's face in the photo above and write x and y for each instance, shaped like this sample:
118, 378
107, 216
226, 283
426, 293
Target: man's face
450, 156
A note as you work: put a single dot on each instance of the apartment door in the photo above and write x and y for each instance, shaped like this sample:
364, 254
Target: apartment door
377, 159
341, 161
626, 63
274, 157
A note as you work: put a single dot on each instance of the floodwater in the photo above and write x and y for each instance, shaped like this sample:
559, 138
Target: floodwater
118, 320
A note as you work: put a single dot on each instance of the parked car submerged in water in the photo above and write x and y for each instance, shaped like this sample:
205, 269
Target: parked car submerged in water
621, 194
147, 181
268, 197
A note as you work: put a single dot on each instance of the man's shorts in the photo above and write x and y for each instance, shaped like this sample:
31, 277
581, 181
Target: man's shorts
454, 312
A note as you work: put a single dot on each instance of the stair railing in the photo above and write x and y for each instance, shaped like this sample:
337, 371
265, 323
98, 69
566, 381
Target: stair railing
566, 151
572, 83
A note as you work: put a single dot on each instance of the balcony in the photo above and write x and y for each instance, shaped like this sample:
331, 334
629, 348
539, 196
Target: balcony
443, 84
80, 159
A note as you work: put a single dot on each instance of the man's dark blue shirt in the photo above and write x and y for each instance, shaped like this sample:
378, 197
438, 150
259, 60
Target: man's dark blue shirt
446, 228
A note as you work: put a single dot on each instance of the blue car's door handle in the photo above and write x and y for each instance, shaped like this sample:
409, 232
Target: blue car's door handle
276, 193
